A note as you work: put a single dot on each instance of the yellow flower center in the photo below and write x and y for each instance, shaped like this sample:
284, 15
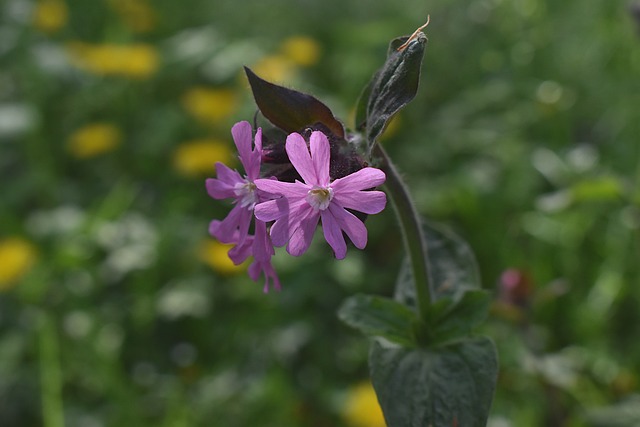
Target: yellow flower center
320, 198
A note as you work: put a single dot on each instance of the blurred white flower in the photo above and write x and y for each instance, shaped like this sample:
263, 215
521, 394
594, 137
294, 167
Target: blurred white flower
60, 221
16, 119
18, 11
130, 242
182, 299
77, 324
52, 58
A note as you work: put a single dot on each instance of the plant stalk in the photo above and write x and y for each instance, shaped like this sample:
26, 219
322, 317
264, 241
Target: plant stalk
50, 374
412, 232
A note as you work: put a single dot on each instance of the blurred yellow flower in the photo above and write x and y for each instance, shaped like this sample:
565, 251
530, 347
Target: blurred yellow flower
135, 60
275, 68
50, 16
362, 408
93, 139
210, 105
136, 14
17, 255
301, 50
198, 157
214, 254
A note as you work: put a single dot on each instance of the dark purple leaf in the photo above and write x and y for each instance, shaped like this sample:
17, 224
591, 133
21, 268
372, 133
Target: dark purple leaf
290, 110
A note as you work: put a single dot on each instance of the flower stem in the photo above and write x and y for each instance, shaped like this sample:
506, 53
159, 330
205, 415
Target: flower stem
412, 233
50, 374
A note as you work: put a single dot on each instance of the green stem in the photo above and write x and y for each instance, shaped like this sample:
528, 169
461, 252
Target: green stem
50, 374
411, 227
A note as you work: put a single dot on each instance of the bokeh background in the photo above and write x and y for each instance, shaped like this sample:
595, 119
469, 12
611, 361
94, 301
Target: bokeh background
117, 309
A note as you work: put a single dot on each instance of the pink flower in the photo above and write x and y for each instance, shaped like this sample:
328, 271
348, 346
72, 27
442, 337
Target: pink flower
235, 227
230, 184
261, 248
302, 204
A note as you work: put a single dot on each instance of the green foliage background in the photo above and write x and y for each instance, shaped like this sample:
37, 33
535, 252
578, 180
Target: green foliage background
524, 138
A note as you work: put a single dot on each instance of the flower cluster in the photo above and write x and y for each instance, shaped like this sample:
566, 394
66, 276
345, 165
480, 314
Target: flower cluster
288, 212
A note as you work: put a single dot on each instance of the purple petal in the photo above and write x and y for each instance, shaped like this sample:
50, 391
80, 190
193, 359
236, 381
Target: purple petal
257, 143
262, 246
228, 175
301, 238
289, 222
223, 186
227, 227
243, 225
301, 158
239, 253
270, 273
280, 233
361, 180
258, 267
369, 202
287, 189
213, 227
320, 155
219, 190
243, 136
252, 164
351, 225
254, 270
333, 234
271, 210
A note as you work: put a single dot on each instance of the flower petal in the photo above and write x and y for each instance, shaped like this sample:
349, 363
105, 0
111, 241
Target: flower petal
272, 210
351, 225
333, 234
369, 202
287, 189
290, 214
243, 137
228, 175
219, 189
258, 267
300, 158
224, 231
279, 233
213, 227
301, 238
223, 186
243, 225
319, 145
262, 246
262, 253
239, 253
252, 164
361, 180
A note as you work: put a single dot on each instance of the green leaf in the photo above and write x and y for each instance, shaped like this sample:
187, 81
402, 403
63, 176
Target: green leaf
457, 319
446, 386
392, 87
460, 305
290, 110
361, 106
604, 188
381, 317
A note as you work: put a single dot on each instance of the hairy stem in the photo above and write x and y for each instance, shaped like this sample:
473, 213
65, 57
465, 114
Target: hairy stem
411, 227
